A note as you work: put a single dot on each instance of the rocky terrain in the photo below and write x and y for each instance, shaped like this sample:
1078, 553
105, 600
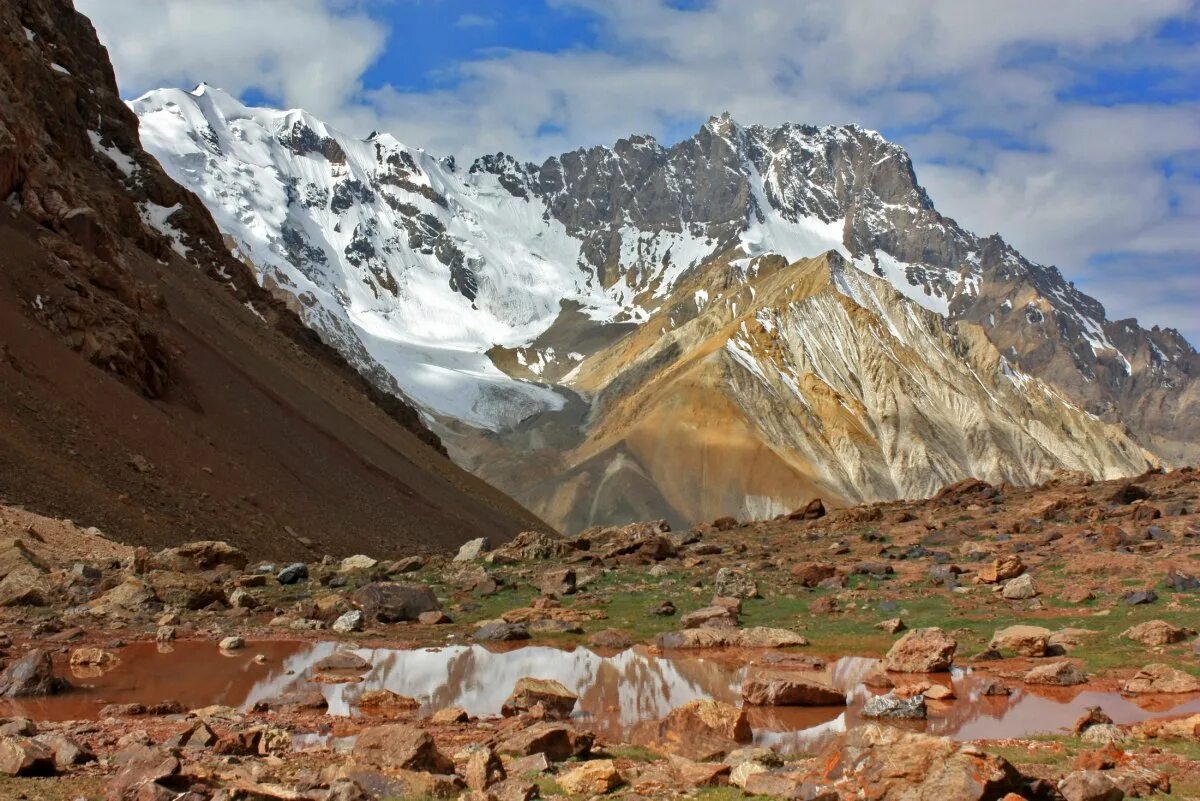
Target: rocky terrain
1073, 600
615, 313
149, 384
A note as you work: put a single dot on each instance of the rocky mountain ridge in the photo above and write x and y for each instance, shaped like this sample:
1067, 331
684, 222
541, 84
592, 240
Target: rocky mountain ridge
505, 299
151, 386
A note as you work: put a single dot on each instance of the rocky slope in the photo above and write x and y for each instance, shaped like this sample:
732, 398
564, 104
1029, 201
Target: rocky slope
151, 387
589, 318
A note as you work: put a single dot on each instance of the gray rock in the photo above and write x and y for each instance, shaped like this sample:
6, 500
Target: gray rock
389, 602
293, 573
30, 676
895, 708
499, 631
353, 620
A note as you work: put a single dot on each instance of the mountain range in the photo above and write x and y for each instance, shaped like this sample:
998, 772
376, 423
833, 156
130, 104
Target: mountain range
727, 326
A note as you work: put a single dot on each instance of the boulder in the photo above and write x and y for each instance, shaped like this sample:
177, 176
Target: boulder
472, 550
928, 650
810, 574
897, 764
595, 777
501, 631
390, 602
196, 556
184, 590
1020, 588
1059, 674
25, 588
30, 676
558, 582
1002, 569
733, 583
141, 766
293, 573
768, 637
1158, 678
893, 707
480, 767
1089, 785
351, 621
131, 595
702, 730
712, 616
399, 746
698, 638
557, 741
357, 563
1140, 597
1154, 633
1023, 640
549, 697
813, 510
788, 688
343, 661
68, 751
16, 557
22, 756
892, 625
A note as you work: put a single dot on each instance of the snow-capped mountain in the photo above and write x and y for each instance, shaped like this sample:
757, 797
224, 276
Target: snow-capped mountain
537, 313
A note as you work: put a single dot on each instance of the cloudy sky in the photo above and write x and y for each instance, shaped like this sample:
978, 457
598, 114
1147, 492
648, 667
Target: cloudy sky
1072, 127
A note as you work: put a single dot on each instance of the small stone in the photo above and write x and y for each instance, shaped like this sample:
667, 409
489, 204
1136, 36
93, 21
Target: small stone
893, 625
1140, 597
1020, 588
435, 617
733, 583
356, 563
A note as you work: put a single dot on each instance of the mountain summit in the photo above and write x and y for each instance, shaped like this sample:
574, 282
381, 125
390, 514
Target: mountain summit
783, 306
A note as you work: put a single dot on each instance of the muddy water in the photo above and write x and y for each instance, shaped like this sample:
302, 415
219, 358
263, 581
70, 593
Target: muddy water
616, 691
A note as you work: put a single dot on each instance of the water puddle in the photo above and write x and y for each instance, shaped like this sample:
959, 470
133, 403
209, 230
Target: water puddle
616, 691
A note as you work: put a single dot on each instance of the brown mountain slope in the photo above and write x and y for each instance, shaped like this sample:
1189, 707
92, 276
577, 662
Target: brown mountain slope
148, 386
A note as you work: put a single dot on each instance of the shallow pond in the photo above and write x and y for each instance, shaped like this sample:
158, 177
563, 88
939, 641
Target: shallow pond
616, 690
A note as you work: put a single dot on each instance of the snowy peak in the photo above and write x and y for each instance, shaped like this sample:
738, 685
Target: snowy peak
491, 295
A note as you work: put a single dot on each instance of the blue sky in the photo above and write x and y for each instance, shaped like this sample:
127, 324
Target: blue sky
1072, 127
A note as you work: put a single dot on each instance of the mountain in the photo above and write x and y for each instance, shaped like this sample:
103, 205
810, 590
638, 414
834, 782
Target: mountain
150, 386
726, 326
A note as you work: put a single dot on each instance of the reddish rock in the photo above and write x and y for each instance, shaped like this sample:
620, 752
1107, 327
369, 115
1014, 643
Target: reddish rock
595, 777
1161, 679
703, 730
22, 756
548, 698
810, 574
400, 746
928, 650
556, 740
788, 688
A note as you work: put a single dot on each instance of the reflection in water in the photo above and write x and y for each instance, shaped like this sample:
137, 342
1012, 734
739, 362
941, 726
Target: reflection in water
615, 692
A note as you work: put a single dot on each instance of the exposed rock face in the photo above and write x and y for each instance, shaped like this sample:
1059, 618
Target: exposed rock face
672, 293
120, 292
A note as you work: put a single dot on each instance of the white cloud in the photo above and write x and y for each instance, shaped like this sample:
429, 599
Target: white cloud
306, 53
978, 90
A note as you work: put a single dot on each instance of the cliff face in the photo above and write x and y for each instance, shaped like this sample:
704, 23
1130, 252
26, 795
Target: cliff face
151, 386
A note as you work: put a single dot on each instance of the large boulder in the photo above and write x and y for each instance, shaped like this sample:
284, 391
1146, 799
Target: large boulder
1161, 679
389, 602
398, 746
22, 756
1023, 640
702, 730
183, 590
1154, 633
557, 741
896, 765
1089, 785
928, 650
1002, 569
472, 550
30, 676
554, 701
789, 688
1060, 674
592, 778
203, 555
